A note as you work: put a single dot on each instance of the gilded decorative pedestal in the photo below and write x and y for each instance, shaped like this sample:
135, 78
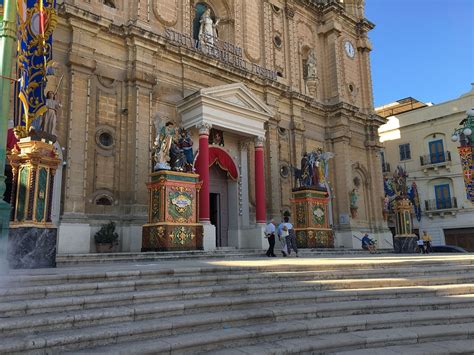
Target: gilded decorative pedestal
404, 240
310, 218
32, 237
173, 213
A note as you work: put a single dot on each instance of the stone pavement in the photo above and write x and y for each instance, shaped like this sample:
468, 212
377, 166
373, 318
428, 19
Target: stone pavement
358, 304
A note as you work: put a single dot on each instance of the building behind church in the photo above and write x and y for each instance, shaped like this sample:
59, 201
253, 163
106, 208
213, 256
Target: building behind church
291, 76
417, 136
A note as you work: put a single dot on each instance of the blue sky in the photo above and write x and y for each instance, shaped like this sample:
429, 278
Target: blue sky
421, 48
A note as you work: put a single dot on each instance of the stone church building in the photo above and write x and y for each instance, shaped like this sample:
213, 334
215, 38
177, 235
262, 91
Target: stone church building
282, 76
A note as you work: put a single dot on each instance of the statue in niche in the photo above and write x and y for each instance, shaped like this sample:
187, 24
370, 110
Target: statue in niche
208, 29
216, 137
353, 202
311, 66
110, 3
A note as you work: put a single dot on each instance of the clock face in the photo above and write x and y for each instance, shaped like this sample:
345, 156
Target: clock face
349, 49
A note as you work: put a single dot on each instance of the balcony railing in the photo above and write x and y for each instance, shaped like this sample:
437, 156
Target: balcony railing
435, 158
441, 204
385, 167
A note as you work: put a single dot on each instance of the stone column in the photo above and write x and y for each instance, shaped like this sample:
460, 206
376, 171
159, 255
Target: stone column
260, 211
203, 171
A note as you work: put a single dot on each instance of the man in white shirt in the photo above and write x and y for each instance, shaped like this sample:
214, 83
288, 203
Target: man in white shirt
270, 235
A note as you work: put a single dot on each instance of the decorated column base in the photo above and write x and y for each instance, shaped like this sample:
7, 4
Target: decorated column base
310, 218
32, 237
173, 210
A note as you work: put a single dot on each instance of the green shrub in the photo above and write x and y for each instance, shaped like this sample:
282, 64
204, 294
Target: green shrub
106, 234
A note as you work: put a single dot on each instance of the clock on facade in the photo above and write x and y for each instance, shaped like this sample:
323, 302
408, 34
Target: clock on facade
349, 49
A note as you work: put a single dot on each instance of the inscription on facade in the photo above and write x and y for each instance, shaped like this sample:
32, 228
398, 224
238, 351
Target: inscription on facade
223, 51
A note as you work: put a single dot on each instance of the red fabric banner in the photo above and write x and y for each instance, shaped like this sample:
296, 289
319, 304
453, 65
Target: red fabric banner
222, 158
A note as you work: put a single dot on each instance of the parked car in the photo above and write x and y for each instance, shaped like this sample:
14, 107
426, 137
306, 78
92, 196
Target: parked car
447, 249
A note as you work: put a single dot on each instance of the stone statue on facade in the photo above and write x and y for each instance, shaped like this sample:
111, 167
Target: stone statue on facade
311, 74
208, 29
311, 66
49, 122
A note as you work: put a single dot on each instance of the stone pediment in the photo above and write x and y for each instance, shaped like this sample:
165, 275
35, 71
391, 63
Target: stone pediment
231, 107
237, 94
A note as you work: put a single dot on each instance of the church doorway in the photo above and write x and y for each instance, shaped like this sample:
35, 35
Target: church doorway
218, 200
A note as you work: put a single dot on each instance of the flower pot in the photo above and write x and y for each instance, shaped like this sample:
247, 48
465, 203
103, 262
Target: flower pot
106, 247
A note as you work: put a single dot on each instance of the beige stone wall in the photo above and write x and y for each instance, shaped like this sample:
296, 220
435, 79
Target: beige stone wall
120, 71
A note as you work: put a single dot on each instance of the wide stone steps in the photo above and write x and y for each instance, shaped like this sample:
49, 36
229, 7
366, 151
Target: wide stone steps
314, 336
64, 260
44, 317
135, 281
238, 306
369, 341
223, 329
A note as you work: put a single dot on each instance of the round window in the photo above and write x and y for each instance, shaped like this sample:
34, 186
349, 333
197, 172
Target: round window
284, 171
105, 139
281, 131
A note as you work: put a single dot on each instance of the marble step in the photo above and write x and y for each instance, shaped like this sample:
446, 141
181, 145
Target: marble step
428, 348
317, 279
262, 324
103, 258
288, 304
125, 272
65, 303
310, 336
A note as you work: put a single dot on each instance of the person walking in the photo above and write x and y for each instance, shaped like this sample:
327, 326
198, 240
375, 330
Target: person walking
291, 238
427, 242
270, 235
282, 234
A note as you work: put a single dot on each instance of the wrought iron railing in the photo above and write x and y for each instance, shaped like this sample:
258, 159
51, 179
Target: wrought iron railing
441, 204
435, 158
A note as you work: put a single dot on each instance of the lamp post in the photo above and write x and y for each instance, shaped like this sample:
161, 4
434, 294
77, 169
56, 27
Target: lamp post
7, 45
464, 135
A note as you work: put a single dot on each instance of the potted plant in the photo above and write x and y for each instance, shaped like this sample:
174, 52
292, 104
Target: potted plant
106, 239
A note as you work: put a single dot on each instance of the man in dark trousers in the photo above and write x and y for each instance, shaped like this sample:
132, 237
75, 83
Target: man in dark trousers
270, 235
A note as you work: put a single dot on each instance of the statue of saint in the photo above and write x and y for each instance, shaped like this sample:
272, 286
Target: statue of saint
162, 146
186, 144
207, 29
311, 66
48, 124
354, 197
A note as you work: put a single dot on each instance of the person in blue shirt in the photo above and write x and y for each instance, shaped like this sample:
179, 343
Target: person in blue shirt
367, 243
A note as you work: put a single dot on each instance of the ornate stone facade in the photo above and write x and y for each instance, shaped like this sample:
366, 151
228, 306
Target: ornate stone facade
125, 65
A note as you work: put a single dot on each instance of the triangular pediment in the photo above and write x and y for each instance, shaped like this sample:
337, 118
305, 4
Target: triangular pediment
239, 95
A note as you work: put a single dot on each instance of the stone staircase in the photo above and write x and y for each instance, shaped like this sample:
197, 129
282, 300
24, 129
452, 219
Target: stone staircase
347, 305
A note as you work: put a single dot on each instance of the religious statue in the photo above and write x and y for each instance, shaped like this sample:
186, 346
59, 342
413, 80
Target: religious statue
186, 144
207, 29
386, 207
162, 146
311, 66
400, 182
48, 124
177, 156
353, 202
314, 169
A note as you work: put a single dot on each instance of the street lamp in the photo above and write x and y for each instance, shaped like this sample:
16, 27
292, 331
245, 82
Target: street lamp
463, 134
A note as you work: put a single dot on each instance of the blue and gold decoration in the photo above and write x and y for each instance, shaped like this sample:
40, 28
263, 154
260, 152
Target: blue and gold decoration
173, 212
36, 22
310, 216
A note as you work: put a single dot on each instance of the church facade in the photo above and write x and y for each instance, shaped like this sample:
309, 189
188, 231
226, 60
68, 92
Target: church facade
257, 83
